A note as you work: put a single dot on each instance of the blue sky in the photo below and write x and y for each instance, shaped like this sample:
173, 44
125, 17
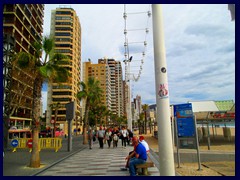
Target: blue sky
199, 43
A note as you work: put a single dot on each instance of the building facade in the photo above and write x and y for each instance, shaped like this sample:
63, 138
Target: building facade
109, 73
100, 72
66, 31
116, 84
23, 22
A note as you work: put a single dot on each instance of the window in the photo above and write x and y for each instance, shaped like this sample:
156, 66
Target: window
62, 93
63, 12
63, 34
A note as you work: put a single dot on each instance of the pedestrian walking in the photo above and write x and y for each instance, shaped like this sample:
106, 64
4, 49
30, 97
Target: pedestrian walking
124, 134
90, 138
108, 137
115, 140
100, 136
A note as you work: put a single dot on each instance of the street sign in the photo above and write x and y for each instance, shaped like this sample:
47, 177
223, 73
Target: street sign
70, 111
52, 121
183, 110
29, 143
14, 143
186, 127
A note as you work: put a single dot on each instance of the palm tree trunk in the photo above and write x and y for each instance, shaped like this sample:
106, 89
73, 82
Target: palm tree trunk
35, 155
150, 125
85, 140
145, 122
95, 121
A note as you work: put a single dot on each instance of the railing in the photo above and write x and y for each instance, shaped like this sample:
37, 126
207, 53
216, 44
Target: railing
44, 143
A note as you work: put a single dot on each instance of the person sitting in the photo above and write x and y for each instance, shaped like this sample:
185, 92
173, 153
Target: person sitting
138, 156
144, 143
131, 153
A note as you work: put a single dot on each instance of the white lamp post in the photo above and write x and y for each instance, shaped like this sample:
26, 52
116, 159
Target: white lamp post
166, 158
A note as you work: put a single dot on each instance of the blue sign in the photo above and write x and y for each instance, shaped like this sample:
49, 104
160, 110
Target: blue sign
14, 143
185, 120
183, 110
186, 127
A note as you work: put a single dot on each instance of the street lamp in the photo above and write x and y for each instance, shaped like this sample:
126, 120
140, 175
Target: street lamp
8, 52
161, 82
127, 78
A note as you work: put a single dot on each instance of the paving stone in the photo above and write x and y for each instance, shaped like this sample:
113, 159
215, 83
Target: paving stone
97, 162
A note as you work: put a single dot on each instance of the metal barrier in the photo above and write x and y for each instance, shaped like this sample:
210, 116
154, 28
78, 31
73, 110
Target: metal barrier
22, 143
44, 143
50, 143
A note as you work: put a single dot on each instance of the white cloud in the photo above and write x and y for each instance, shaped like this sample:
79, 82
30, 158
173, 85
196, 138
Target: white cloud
44, 100
199, 42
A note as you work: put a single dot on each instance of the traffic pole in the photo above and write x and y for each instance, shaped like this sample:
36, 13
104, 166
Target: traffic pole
69, 135
166, 158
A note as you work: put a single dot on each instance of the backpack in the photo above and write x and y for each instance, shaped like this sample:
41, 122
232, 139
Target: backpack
115, 138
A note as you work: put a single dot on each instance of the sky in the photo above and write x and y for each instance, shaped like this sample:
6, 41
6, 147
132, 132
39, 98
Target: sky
199, 42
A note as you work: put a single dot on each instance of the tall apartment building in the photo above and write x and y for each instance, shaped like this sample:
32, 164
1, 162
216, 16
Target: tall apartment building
137, 107
100, 72
66, 30
116, 83
109, 73
23, 22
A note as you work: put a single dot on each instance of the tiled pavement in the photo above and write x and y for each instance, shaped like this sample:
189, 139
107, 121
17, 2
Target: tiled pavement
94, 162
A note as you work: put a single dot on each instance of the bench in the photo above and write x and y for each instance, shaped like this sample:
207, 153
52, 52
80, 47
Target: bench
145, 166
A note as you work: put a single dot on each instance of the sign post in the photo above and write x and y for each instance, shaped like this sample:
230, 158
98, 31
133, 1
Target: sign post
70, 115
186, 129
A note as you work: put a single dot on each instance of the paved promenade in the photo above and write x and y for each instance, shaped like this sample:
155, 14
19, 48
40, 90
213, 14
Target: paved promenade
94, 162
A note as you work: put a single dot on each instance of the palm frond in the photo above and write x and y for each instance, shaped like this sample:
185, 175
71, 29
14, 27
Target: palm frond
43, 71
81, 94
38, 48
62, 74
48, 44
24, 60
83, 85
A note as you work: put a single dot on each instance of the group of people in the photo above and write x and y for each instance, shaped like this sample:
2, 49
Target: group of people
110, 135
139, 154
140, 151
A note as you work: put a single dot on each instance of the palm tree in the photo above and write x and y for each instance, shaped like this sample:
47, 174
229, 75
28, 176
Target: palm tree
141, 123
91, 92
43, 68
145, 108
98, 112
